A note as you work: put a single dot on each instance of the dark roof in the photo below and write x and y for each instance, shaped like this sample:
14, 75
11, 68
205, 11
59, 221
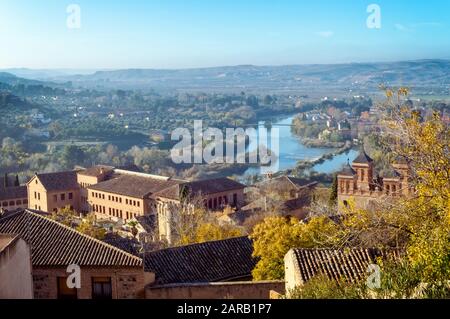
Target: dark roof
349, 264
207, 262
55, 245
390, 172
347, 171
96, 170
130, 245
296, 203
133, 185
13, 192
286, 181
59, 181
363, 158
204, 187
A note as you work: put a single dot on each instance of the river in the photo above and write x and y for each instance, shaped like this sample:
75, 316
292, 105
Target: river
292, 150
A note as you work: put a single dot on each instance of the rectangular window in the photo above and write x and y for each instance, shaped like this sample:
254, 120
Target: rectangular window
101, 288
70, 195
63, 196
55, 198
138, 204
65, 292
39, 196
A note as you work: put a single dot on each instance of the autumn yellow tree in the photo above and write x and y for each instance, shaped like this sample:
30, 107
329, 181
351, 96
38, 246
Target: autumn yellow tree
88, 227
273, 238
419, 224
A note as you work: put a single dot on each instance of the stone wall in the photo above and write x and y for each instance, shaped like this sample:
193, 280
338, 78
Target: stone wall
126, 283
217, 290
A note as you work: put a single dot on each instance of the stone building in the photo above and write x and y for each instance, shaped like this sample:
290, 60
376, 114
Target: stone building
349, 264
50, 192
12, 195
106, 272
88, 177
15, 268
119, 195
213, 195
357, 182
126, 195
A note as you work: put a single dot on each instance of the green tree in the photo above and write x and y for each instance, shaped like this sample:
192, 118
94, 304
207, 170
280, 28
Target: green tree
334, 191
72, 155
65, 216
273, 238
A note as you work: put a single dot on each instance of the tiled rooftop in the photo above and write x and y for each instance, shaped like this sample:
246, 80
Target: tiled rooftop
55, 245
206, 262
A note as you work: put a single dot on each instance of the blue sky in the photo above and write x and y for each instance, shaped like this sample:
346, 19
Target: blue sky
203, 33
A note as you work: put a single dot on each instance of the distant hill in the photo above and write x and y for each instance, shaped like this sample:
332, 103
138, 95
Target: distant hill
11, 79
290, 77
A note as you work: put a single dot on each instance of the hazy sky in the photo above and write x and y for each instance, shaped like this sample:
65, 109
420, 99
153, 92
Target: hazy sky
202, 33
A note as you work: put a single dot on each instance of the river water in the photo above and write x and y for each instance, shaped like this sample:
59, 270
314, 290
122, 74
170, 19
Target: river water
291, 150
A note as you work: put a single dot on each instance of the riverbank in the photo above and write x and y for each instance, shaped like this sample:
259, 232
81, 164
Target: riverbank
302, 165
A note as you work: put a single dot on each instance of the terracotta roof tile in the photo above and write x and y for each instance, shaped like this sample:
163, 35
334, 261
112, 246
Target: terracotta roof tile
59, 181
349, 264
133, 186
207, 262
204, 187
55, 245
13, 192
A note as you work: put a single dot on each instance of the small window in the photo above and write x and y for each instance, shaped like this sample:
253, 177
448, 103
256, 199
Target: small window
11, 203
18, 202
65, 292
25, 201
70, 195
101, 288
5, 204
63, 196
55, 198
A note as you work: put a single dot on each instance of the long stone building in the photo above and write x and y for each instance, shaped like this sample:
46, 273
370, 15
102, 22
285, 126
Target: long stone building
122, 195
